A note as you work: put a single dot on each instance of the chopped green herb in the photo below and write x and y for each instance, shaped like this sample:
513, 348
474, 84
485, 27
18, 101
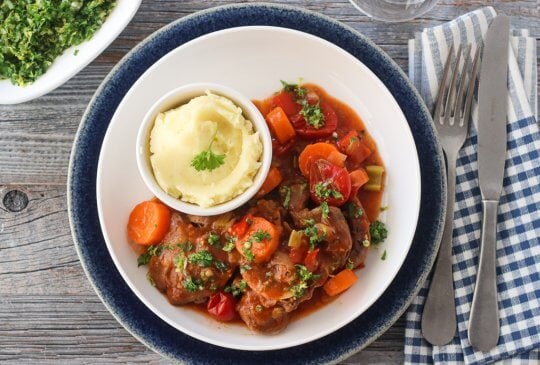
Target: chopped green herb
236, 290
378, 232
152, 250
248, 254
179, 263
192, 285
297, 90
213, 239
202, 258
350, 264
229, 246
221, 266
304, 275
185, 246
325, 209
285, 192
258, 308
245, 268
383, 256
312, 114
382, 209
261, 235
207, 159
313, 234
34, 33
354, 210
323, 191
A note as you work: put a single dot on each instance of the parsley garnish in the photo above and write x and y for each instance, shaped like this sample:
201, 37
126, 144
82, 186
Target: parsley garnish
229, 246
323, 191
258, 308
208, 160
350, 264
298, 91
144, 258
202, 258
150, 279
186, 246
245, 268
192, 285
354, 210
213, 239
304, 276
179, 263
313, 234
383, 256
325, 209
312, 114
261, 235
236, 290
247, 253
220, 265
34, 33
378, 232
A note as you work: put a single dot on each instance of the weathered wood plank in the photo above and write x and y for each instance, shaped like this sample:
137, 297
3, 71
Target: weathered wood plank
48, 310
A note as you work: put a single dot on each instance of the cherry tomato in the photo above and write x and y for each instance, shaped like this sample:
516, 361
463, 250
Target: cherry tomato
286, 101
297, 254
329, 183
312, 260
306, 130
222, 306
240, 228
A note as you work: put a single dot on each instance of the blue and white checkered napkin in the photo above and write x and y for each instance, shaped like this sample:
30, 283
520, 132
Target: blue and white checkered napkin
518, 228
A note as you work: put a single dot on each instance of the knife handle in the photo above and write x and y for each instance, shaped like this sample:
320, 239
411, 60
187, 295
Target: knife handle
439, 314
484, 318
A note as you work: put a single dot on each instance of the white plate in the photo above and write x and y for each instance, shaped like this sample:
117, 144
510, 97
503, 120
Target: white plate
67, 65
252, 60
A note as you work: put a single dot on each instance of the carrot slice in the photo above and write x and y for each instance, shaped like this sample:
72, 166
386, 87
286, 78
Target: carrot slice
280, 125
148, 222
314, 152
339, 283
273, 179
259, 242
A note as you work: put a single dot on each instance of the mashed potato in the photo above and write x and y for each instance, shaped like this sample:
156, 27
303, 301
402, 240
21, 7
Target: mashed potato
180, 134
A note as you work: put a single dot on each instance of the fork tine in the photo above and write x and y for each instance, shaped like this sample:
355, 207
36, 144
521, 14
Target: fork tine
442, 86
452, 90
463, 80
472, 85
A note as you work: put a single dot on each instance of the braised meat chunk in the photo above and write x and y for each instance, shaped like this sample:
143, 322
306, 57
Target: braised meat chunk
190, 265
260, 318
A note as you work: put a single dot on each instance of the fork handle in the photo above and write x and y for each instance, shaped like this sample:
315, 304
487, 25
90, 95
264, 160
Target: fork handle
484, 319
439, 315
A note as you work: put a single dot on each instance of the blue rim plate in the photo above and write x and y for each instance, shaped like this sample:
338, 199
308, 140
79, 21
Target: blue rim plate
91, 247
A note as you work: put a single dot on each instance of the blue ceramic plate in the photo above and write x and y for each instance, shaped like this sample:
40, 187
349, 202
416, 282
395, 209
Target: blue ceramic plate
132, 313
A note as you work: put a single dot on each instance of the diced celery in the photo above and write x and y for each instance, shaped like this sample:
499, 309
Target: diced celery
375, 181
295, 239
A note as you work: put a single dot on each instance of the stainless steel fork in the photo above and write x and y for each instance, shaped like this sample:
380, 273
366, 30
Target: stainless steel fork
451, 118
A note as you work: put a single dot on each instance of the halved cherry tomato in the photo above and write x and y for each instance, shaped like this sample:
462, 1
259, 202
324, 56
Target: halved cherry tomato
354, 147
312, 260
240, 228
307, 131
329, 183
286, 101
222, 306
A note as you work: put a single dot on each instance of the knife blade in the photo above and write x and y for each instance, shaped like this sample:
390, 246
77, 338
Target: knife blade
492, 107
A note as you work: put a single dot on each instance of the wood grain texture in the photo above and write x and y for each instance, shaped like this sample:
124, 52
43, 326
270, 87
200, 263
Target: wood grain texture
48, 310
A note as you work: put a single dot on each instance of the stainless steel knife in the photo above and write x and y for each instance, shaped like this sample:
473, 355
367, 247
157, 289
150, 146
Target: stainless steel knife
492, 107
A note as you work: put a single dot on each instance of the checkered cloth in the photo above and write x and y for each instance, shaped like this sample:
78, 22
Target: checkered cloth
518, 228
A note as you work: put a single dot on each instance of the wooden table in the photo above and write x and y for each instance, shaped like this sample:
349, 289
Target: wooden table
49, 313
